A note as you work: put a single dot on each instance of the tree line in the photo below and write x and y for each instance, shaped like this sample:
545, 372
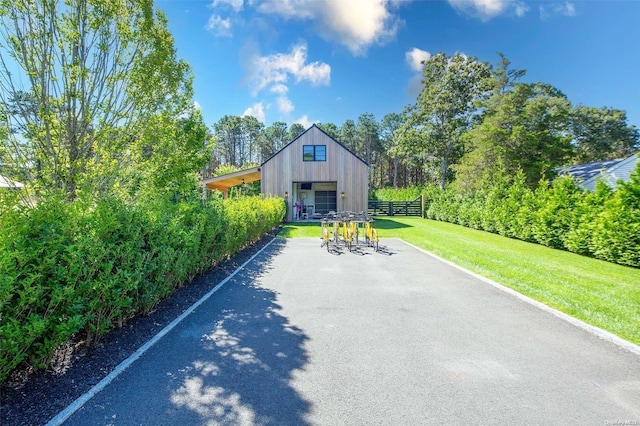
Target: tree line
472, 122
108, 109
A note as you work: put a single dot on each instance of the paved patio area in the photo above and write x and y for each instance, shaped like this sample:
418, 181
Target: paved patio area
305, 337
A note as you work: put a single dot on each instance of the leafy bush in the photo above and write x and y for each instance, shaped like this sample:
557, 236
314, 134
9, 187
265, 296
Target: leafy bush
552, 220
89, 266
604, 224
585, 213
616, 230
36, 253
397, 194
429, 193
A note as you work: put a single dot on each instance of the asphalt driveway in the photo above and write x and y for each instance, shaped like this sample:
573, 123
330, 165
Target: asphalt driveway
304, 337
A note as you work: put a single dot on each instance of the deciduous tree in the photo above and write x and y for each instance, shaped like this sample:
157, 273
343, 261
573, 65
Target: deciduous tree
76, 77
528, 130
452, 88
602, 134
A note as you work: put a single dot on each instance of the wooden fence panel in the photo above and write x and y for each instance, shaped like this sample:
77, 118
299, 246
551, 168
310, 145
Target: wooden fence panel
395, 208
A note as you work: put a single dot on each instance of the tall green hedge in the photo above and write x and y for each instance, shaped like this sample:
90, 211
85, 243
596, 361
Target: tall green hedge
396, 194
604, 224
72, 267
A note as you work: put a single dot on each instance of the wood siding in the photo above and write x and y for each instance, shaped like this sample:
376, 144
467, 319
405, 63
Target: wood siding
349, 172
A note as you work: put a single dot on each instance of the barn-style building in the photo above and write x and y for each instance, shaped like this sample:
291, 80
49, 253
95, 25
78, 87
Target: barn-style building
314, 169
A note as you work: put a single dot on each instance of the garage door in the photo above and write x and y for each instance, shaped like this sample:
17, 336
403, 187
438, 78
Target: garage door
326, 201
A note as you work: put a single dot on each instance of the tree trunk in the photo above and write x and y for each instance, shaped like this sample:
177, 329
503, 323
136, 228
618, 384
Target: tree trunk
395, 173
445, 165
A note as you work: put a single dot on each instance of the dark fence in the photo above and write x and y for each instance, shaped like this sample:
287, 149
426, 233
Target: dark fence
396, 208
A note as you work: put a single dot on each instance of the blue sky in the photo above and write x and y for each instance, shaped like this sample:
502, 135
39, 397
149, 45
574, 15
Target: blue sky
331, 60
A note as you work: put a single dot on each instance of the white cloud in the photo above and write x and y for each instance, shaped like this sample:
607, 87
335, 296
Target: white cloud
256, 110
414, 58
284, 104
304, 120
568, 9
197, 106
564, 9
280, 89
484, 9
488, 9
289, 9
359, 23
356, 24
236, 5
276, 70
218, 26
521, 9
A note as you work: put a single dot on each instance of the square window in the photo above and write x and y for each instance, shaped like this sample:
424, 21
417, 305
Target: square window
307, 153
314, 153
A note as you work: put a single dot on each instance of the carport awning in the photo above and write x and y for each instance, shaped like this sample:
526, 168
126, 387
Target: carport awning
224, 182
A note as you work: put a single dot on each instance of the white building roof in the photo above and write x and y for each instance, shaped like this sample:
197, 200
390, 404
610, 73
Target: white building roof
8, 183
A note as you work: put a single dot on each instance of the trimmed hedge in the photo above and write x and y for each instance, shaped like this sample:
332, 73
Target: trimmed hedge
604, 224
72, 267
396, 194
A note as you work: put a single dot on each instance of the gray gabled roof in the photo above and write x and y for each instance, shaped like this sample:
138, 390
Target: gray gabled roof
582, 172
300, 135
621, 170
610, 171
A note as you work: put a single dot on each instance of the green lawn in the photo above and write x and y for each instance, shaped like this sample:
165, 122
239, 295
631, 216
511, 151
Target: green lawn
597, 292
301, 230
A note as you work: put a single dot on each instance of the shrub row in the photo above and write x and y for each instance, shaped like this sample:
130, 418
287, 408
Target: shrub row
397, 194
604, 224
72, 267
